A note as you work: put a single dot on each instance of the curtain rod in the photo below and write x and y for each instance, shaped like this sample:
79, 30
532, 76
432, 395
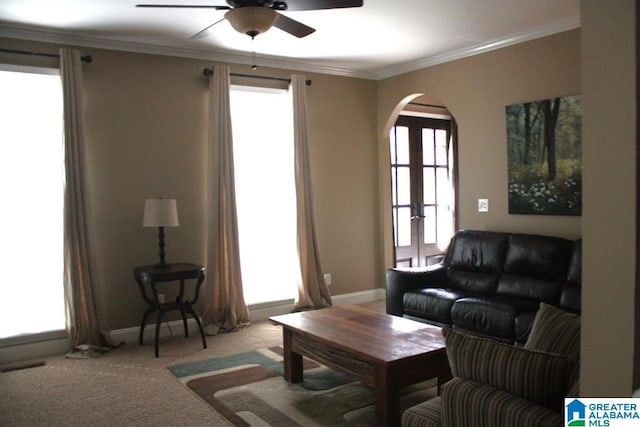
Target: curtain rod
209, 72
427, 105
86, 58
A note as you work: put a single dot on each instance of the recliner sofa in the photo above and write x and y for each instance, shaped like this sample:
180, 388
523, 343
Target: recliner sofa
490, 284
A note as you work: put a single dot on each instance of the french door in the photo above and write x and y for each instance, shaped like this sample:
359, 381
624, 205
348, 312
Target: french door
422, 182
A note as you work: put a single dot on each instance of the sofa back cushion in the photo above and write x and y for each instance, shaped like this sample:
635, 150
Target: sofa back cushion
570, 296
475, 259
557, 331
536, 267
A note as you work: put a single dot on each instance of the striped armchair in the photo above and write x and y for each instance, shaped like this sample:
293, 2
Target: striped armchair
496, 384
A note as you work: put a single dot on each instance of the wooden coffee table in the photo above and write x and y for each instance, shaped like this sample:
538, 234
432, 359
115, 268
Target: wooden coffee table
384, 352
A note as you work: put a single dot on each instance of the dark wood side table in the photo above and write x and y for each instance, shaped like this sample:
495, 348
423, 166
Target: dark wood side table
147, 276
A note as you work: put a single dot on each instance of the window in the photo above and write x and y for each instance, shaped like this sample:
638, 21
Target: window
32, 185
262, 121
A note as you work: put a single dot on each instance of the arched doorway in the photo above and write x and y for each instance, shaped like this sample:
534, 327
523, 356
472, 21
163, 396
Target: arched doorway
422, 149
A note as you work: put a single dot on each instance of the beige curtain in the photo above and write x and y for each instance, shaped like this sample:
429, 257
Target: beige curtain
85, 322
312, 291
224, 306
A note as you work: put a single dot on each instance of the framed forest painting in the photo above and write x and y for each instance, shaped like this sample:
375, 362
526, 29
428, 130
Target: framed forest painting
544, 142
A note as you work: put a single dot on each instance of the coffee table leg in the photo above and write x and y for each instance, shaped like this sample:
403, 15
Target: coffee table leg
386, 399
292, 361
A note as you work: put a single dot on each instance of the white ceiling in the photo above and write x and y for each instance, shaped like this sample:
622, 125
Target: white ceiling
380, 39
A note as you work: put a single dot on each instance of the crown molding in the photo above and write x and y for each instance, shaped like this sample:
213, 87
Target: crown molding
539, 32
50, 36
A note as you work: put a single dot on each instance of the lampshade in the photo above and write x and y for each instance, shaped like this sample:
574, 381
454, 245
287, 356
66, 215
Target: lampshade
251, 20
160, 213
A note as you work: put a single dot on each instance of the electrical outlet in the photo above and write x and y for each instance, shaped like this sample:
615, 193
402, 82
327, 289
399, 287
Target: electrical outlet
483, 205
327, 279
161, 298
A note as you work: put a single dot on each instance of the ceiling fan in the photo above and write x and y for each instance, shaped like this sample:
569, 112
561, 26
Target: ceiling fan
253, 17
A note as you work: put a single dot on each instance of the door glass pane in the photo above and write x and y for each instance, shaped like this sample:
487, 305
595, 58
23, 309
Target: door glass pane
429, 224
402, 145
394, 194
441, 147
427, 146
444, 189
404, 227
392, 145
445, 226
429, 185
404, 186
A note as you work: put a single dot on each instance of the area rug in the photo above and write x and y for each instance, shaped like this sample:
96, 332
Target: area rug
249, 390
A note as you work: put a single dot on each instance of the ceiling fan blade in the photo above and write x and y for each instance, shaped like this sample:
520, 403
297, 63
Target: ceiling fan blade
184, 6
293, 5
292, 26
205, 32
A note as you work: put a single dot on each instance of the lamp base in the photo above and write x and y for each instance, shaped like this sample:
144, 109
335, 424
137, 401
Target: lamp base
162, 265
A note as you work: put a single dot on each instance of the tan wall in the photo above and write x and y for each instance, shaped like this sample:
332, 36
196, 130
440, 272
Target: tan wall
476, 91
609, 224
146, 132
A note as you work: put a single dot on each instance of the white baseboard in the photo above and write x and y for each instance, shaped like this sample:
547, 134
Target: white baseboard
34, 350
27, 351
130, 335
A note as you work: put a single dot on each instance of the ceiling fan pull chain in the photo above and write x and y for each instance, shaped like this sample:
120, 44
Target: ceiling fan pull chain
253, 56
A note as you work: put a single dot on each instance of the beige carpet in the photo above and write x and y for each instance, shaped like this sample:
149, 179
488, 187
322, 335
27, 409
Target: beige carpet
125, 387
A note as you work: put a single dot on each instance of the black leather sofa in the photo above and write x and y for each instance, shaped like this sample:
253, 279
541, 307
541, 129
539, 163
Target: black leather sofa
490, 284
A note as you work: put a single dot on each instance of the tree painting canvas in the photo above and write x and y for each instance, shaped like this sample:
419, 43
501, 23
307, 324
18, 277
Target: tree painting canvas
544, 142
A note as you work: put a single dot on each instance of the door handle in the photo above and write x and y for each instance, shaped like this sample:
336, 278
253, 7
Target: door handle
418, 211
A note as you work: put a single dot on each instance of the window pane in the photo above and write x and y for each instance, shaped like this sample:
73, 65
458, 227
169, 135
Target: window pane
404, 227
402, 144
31, 184
441, 147
429, 186
265, 192
429, 224
404, 186
427, 146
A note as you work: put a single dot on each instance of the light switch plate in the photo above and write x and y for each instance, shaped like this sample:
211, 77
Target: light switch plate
483, 205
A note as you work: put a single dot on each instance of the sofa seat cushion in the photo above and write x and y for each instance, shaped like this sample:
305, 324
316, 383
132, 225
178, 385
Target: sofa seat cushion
493, 316
434, 302
471, 403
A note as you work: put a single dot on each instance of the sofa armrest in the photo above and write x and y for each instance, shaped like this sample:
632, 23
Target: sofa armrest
401, 280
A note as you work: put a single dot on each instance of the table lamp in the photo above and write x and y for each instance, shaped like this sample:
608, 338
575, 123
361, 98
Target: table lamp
159, 212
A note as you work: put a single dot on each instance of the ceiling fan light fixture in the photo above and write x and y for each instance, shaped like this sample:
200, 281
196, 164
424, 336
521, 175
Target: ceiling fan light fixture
251, 20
